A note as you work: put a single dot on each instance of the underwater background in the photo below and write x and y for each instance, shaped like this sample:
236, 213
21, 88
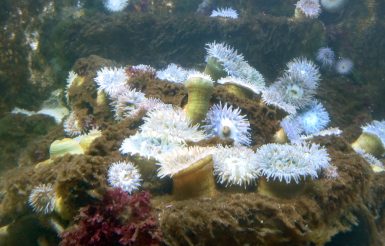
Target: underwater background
251, 123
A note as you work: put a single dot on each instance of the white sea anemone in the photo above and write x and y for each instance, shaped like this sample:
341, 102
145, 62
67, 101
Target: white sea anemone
111, 80
42, 199
326, 57
173, 73
376, 128
309, 8
226, 55
288, 163
147, 145
127, 103
178, 159
172, 123
204, 77
234, 64
289, 93
292, 128
235, 165
305, 70
225, 13
124, 175
115, 5
333, 6
250, 85
228, 123
344, 66
314, 119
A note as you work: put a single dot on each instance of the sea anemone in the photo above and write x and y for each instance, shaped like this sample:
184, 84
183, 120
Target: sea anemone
305, 70
292, 130
344, 66
172, 123
228, 123
287, 169
307, 8
326, 57
127, 103
225, 13
173, 73
372, 139
148, 146
124, 175
333, 6
200, 88
115, 5
284, 162
289, 93
42, 199
191, 170
222, 59
235, 166
314, 119
241, 87
111, 80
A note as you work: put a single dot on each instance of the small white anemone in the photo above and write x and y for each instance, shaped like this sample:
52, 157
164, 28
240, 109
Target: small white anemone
228, 123
314, 119
289, 163
225, 13
127, 103
115, 5
42, 199
173, 123
310, 8
174, 73
326, 57
178, 159
124, 175
147, 145
344, 66
235, 166
111, 80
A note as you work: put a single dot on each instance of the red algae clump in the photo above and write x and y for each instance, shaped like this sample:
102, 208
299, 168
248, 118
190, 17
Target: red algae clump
119, 219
